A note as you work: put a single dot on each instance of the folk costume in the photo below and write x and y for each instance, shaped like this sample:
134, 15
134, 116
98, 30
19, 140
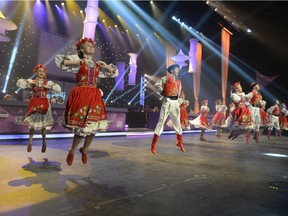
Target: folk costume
219, 118
184, 117
283, 118
169, 88
85, 111
38, 115
240, 121
273, 116
264, 117
254, 98
202, 121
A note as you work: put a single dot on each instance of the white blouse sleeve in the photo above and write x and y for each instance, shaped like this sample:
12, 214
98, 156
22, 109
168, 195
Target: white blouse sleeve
218, 108
104, 73
59, 60
159, 85
270, 110
235, 98
24, 83
54, 87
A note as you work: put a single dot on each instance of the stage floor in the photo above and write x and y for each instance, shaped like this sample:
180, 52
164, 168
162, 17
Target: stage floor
122, 177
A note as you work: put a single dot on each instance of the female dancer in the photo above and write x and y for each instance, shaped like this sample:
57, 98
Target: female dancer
282, 118
219, 117
264, 118
201, 121
240, 121
184, 118
38, 115
85, 111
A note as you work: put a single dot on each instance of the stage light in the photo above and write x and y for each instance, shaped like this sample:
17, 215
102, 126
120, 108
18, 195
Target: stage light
174, 18
14, 53
81, 11
151, 2
62, 4
207, 2
249, 30
275, 155
115, 26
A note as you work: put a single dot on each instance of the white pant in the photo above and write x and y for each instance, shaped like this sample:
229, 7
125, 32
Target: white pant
256, 118
171, 108
273, 122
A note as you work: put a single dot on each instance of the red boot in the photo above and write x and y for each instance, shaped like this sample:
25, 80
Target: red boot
246, 137
269, 134
278, 133
153, 144
43, 149
29, 148
180, 142
256, 137
84, 156
70, 158
202, 138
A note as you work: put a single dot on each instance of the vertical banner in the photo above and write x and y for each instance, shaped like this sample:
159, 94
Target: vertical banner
197, 77
170, 52
90, 21
119, 80
192, 55
225, 43
133, 68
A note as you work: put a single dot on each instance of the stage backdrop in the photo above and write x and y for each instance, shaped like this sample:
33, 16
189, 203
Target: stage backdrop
12, 113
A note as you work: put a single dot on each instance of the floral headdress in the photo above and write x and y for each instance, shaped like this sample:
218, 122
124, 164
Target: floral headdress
235, 85
82, 41
39, 66
218, 101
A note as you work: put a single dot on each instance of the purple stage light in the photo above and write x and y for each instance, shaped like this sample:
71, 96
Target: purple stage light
40, 13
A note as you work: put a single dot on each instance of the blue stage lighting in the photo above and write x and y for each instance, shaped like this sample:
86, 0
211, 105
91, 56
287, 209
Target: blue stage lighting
14, 53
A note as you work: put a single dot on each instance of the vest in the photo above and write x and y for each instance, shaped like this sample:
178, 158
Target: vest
171, 87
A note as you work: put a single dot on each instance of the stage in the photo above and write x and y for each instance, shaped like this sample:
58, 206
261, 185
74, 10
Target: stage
122, 177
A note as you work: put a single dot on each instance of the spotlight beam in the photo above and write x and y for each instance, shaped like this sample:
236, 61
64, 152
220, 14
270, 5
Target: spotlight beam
14, 53
122, 77
133, 98
136, 86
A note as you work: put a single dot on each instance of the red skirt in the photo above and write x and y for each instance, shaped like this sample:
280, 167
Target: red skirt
37, 105
242, 117
184, 118
84, 108
204, 123
219, 119
282, 121
264, 118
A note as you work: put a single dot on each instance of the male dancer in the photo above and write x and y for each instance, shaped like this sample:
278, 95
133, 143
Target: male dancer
273, 115
169, 88
254, 98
